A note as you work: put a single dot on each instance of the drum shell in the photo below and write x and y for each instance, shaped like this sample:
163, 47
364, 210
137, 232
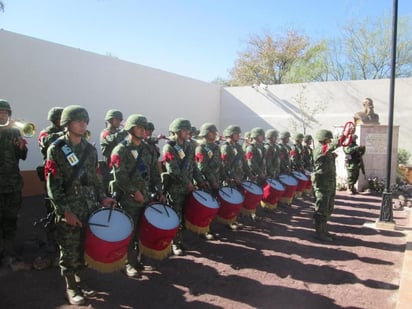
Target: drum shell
308, 189
154, 241
198, 213
290, 184
272, 193
253, 195
302, 183
229, 210
103, 255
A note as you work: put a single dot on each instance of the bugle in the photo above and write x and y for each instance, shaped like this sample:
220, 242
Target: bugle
27, 129
347, 134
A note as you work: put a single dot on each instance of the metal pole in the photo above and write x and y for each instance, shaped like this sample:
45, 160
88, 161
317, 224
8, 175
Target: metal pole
386, 213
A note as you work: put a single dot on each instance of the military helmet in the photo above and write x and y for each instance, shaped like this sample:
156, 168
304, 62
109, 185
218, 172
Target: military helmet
298, 136
323, 134
246, 135
54, 113
135, 120
150, 126
179, 124
206, 128
256, 132
194, 131
73, 112
307, 138
230, 130
113, 113
271, 133
284, 134
4, 105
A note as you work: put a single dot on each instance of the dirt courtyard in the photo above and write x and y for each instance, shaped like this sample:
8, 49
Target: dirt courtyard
273, 263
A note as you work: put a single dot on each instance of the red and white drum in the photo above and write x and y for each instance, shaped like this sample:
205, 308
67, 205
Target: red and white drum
272, 192
231, 200
201, 208
108, 235
302, 183
253, 195
290, 184
308, 189
158, 227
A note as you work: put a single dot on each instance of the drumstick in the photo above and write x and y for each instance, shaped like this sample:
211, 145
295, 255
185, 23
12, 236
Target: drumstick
223, 191
158, 210
98, 224
110, 212
246, 185
164, 206
198, 194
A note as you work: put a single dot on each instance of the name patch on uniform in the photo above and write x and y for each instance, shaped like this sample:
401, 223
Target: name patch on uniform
70, 155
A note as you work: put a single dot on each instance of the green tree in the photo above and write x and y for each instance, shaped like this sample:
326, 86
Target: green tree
270, 59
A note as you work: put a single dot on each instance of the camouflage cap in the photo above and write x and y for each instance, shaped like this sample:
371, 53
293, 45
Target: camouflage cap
135, 120
256, 132
73, 112
298, 136
271, 133
307, 138
113, 113
54, 113
194, 131
246, 135
323, 134
230, 130
179, 124
4, 105
284, 134
150, 126
206, 128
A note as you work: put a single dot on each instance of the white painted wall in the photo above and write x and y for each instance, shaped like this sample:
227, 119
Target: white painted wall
37, 75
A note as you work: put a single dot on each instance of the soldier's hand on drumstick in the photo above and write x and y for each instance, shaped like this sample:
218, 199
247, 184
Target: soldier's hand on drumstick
71, 219
108, 202
138, 196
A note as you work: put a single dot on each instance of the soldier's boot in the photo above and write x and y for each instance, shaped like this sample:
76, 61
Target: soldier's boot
141, 265
130, 268
325, 228
177, 245
320, 232
350, 189
81, 283
73, 293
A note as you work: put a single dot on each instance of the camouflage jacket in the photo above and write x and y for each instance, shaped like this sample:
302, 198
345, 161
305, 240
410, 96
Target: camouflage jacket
135, 169
209, 162
233, 161
284, 156
272, 159
73, 187
109, 138
296, 157
10, 154
307, 158
47, 136
255, 158
354, 155
324, 169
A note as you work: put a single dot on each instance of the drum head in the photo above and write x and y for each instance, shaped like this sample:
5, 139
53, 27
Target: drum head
205, 199
118, 228
288, 180
252, 187
275, 184
300, 175
231, 195
161, 216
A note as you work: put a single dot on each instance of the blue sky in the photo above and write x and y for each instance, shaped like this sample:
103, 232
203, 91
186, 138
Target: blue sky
195, 38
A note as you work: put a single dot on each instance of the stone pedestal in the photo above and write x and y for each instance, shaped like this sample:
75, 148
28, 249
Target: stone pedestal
375, 138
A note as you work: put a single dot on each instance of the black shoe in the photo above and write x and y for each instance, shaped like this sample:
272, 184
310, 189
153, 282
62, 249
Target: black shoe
207, 236
75, 297
177, 250
232, 226
141, 266
323, 237
86, 291
131, 271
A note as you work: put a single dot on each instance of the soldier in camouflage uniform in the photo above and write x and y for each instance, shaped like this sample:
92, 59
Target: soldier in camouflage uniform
209, 163
193, 136
353, 163
153, 141
256, 156
296, 153
284, 155
46, 137
181, 170
307, 153
109, 138
272, 153
12, 150
246, 140
324, 182
136, 178
75, 191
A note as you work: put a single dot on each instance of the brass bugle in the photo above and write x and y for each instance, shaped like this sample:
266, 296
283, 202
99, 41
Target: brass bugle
88, 135
27, 129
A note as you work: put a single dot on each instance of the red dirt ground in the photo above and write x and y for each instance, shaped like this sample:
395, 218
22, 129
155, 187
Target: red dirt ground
274, 263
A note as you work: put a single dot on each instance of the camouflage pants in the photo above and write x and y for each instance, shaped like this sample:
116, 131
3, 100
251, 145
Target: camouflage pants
353, 175
10, 204
324, 204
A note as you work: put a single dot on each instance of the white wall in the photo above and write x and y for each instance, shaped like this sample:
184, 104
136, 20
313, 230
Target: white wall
37, 75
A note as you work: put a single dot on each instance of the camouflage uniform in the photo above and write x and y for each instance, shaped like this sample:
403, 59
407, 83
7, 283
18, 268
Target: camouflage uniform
256, 156
353, 163
307, 153
284, 155
272, 154
11, 183
135, 169
324, 182
296, 154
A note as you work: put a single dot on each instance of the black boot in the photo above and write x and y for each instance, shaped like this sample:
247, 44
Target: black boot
320, 232
81, 282
73, 293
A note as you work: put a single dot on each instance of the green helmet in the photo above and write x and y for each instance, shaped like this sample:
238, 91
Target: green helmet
135, 120
179, 124
194, 131
206, 128
323, 134
298, 136
230, 130
271, 133
73, 112
113, 113
256, 132
150, 126
54, 113
307, 138
4, 105
284, 134
246, 135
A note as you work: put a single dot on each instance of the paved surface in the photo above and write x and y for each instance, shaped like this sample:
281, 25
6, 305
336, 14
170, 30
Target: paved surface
274, 263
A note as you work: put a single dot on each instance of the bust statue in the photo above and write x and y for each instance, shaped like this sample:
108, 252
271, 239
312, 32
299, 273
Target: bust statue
367, 116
